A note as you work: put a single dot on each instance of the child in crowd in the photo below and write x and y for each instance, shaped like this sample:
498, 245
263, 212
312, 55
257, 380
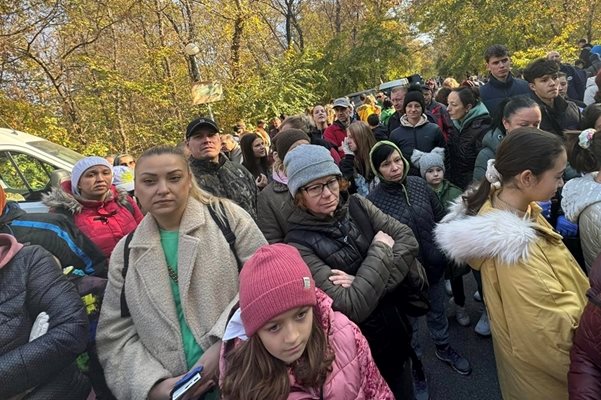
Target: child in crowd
534, 290
289, 343
432, 169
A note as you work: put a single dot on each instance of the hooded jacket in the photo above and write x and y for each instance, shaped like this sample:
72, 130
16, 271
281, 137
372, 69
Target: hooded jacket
33, 283
584, 378
495, 91
465, 144
581, 203
56, 233
103, 222
354, 374
227, 179
413, 203
590, 91
424, 136
491, 140
534, 292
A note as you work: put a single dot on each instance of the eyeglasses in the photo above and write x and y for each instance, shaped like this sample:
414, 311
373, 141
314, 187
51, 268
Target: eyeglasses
317, 189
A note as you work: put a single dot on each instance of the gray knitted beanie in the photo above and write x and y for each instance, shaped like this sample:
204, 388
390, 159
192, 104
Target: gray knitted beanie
81, 166
306, 163
425, 161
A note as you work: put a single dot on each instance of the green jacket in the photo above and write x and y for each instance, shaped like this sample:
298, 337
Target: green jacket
447, 193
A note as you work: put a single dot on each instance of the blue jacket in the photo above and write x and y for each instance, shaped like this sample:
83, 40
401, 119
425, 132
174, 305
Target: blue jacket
495, 91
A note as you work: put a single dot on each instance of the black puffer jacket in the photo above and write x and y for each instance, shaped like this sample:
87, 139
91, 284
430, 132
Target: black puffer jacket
564, 115
32, 283
338, 243
413, 203
424, 136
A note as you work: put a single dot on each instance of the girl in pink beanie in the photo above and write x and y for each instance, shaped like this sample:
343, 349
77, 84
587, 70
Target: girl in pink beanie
286, 342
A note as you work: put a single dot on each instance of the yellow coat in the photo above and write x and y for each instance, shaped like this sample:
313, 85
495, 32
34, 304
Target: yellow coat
534, 292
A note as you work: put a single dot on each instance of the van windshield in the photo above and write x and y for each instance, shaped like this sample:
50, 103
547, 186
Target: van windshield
57, 150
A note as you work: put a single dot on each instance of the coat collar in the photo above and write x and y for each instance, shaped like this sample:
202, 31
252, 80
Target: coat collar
492, 233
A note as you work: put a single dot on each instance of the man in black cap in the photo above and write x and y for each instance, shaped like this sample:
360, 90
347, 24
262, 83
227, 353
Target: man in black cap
213, 171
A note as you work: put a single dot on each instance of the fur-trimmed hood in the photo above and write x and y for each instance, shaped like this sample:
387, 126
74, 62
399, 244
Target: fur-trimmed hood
64, 198
578, 194
492, 233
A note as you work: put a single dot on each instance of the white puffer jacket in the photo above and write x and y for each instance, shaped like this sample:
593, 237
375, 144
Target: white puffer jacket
582, 204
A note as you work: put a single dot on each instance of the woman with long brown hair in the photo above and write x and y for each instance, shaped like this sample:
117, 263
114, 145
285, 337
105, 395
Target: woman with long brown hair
285, 341
355, 166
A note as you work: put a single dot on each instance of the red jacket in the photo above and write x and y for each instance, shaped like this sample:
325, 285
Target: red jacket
584, 376
103, 222
335, 134
354, 374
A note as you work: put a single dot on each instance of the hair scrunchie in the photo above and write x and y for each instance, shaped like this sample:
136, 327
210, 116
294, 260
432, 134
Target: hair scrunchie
585, 138
492, 175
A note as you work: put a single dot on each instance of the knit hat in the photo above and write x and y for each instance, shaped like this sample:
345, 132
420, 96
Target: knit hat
123, 178
81, 166
425, 161
287, 138
415, 95
306, 163
274, 280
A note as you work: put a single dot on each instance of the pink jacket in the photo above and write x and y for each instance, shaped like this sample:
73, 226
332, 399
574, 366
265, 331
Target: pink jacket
354, 374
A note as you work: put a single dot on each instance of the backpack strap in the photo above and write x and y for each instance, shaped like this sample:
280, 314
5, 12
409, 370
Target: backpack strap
124, 308
224, 226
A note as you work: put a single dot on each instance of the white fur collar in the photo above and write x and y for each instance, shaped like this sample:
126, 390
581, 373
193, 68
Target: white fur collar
494, 234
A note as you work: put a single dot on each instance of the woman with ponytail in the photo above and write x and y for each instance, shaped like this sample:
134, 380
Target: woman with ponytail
534, 290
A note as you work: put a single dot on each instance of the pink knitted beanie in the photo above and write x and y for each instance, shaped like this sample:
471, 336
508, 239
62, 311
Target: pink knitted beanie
274, 280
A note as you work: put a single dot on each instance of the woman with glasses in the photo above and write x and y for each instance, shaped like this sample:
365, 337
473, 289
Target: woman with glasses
358, 255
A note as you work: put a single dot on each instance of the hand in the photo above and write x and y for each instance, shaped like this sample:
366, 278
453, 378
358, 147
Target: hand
346, 148
162, 390
341, 278
384, 238
210, 362
566, 228
261, 181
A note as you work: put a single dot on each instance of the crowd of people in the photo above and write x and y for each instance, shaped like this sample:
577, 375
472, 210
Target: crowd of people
297, 259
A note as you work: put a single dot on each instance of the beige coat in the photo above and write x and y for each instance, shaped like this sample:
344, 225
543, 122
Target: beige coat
138, 351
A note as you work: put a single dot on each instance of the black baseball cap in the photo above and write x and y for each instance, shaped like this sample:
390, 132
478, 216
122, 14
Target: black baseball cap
199, 123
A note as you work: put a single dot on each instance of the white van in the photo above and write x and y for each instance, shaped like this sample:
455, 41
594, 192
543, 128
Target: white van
27, 163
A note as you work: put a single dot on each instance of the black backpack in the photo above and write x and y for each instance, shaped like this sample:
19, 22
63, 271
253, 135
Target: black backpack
223, 225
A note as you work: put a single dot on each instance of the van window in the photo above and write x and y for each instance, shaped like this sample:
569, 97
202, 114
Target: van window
24, 176
69, 156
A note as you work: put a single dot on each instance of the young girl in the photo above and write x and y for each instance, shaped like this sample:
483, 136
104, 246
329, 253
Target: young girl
291, 344
254, 158
534, 289
432, 169
581, 200
355, 164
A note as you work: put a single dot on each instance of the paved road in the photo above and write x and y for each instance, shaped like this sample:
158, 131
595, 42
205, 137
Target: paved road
445, 383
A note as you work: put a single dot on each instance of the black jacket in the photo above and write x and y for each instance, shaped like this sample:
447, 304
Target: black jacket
425, 136
564, 115
32, 283
56, 233
416, 205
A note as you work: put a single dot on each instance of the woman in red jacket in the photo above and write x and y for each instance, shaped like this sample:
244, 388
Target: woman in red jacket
101, 211
584, 376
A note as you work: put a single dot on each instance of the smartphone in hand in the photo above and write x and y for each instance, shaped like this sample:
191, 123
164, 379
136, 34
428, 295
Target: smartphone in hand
186, 384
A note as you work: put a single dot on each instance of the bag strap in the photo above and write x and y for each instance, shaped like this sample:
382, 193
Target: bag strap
360, 217
124, 308
224, 226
